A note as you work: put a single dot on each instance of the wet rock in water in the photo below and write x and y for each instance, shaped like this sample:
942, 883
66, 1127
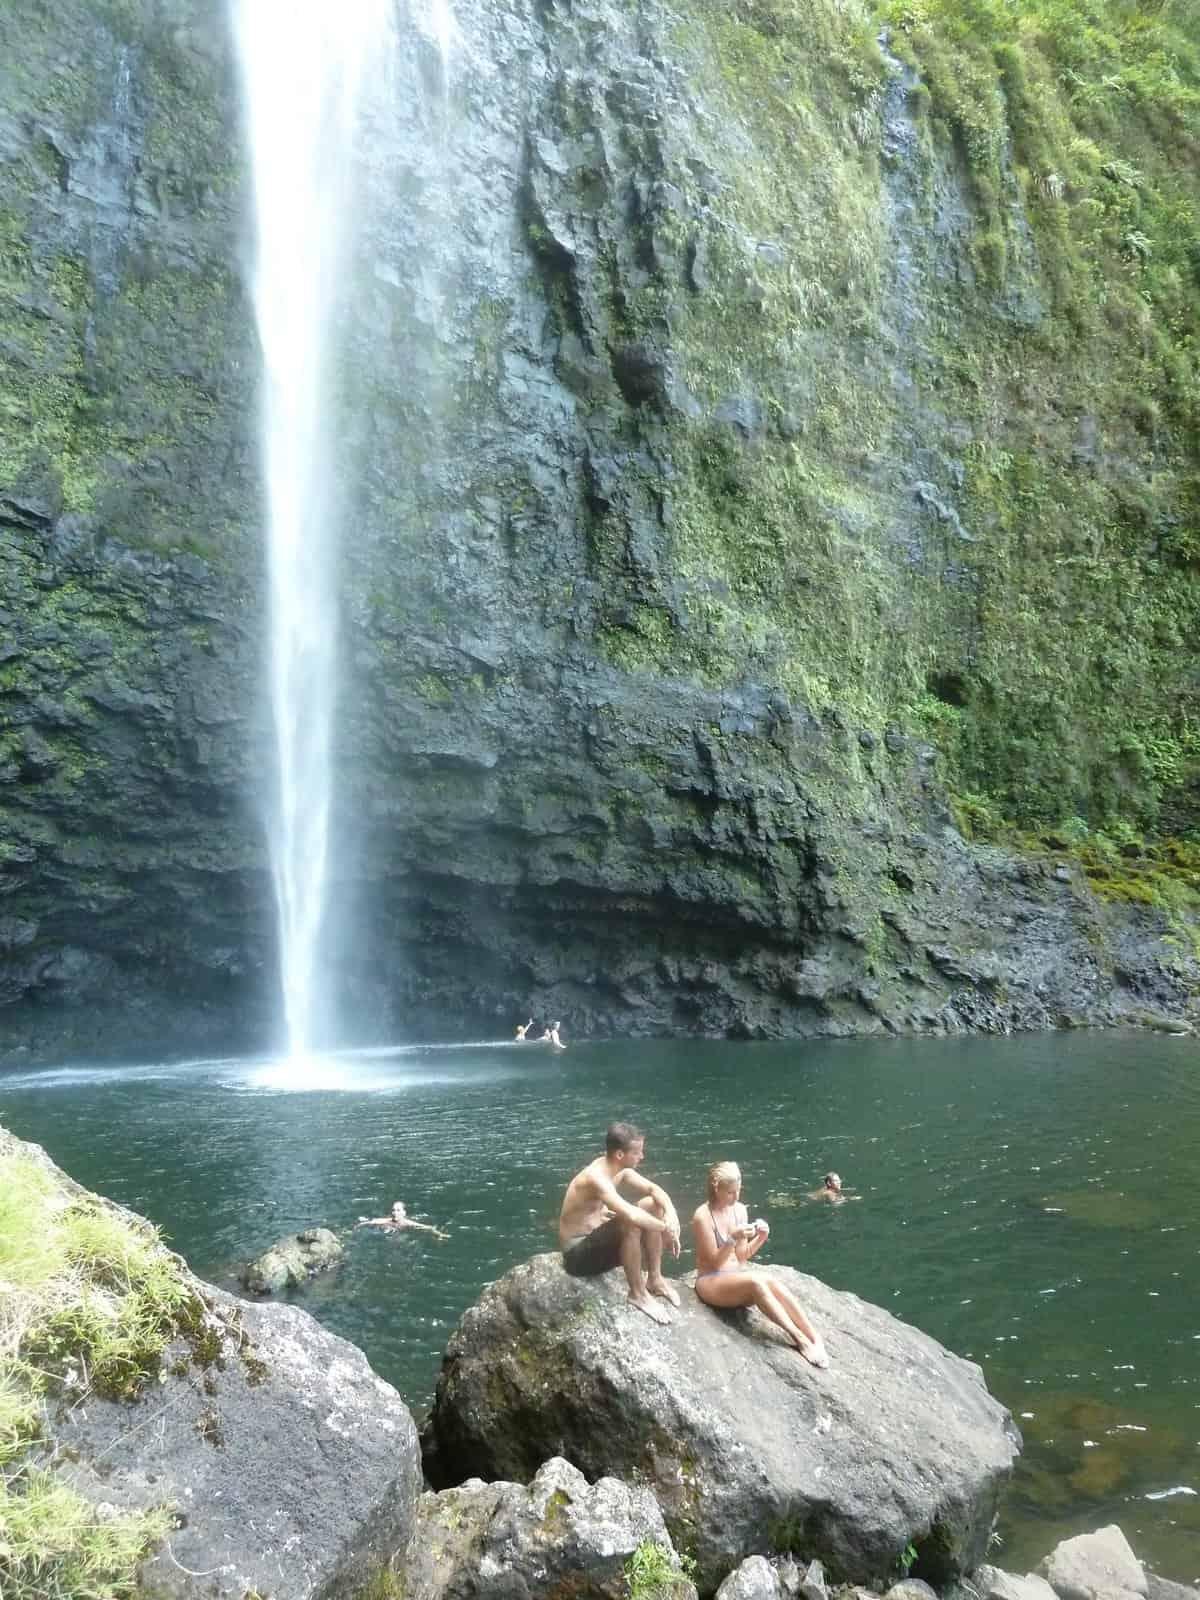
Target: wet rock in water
747, 1448
755, 1579
1094, 1565
560, 1535
290, 1262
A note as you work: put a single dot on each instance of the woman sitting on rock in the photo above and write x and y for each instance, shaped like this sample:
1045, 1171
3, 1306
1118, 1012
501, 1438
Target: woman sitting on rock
726, 1241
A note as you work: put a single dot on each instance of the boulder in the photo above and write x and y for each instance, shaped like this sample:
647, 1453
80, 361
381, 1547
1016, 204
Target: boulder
1093, 1565
560, 1536
991, 1583
291, 1469
290, 1262
294, 1470
748, 1449
911, 1589
755, 1579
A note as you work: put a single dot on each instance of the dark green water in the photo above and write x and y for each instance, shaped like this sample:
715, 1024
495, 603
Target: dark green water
1031, 1203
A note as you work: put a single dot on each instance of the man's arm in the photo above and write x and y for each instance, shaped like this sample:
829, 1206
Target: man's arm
641, 1185
662, 1199
616, 1202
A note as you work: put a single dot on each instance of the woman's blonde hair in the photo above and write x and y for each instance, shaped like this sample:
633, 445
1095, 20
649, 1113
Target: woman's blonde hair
723, 1172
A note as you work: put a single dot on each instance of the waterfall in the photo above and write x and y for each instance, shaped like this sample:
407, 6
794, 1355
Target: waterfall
304, 67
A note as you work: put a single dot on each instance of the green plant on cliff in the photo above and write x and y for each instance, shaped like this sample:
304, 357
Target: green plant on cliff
654, 1573
88, 1302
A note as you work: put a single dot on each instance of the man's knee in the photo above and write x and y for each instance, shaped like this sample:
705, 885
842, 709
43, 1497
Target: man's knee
650, 1204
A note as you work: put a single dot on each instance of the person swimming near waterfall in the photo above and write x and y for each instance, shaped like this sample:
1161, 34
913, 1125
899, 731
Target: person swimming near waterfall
550, 1036
398, 1219
726, 1243
599, 1229
522, 1030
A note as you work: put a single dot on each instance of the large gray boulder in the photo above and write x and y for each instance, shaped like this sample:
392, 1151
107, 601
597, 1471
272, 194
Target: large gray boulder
294, 1470
560, 1536
291, 1469
290, 1262
748, 1449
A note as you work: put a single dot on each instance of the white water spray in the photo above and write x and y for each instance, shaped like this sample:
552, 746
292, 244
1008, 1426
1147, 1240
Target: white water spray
304, 68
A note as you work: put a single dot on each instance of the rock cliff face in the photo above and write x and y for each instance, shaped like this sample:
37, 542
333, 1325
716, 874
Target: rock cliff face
718, 451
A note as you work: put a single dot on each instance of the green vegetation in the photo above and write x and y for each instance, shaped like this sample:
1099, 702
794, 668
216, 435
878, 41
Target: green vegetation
385, 1584
89, 1301
653, 1573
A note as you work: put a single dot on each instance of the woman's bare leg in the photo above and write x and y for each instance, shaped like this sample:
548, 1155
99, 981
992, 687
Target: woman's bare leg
728, 1289
792, 1306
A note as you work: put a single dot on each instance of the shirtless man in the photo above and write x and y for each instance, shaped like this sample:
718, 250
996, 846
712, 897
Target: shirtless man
831, 1190
599, 1229
397, 1219
550, 1036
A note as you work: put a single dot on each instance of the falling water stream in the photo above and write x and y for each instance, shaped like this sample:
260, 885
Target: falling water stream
305, 66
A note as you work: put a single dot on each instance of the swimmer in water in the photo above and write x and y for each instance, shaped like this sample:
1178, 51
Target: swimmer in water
522, 1030
831, 1190
397, 1219
550, 1036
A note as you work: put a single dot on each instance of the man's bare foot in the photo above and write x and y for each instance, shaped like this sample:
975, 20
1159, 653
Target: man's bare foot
814, 1352
663, 1290
655, 1312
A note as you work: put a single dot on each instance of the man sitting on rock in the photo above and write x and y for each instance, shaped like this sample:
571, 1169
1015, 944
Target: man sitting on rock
599, 1229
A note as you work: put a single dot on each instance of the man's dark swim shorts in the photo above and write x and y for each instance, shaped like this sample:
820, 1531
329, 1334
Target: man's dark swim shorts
593, 1253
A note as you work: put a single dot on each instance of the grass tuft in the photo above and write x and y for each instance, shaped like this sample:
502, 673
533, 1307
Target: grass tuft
654, 1573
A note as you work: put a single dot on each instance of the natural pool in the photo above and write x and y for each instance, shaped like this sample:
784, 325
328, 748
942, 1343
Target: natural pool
1031, 1203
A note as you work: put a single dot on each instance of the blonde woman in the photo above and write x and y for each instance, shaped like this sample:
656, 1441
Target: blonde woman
726, 1242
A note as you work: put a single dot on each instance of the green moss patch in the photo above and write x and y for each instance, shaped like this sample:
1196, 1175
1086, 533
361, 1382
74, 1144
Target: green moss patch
89, 1301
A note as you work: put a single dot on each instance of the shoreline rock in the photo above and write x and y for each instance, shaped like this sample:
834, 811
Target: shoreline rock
292, 1471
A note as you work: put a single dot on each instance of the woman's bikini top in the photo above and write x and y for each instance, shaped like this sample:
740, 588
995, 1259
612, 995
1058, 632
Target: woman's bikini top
722, 1240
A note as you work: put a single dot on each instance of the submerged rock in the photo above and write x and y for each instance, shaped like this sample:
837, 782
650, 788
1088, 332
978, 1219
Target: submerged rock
559, 1536
290, 1262
747, 1449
